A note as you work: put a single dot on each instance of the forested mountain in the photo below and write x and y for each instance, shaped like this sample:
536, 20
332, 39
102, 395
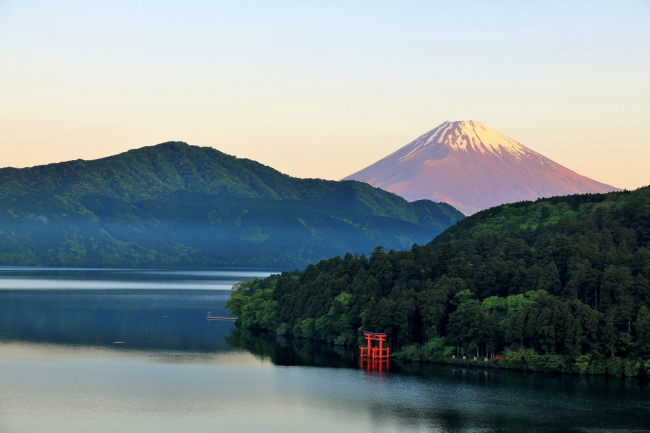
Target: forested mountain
559, 284
175, 204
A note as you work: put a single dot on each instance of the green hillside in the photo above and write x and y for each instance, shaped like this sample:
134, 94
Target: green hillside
561, 284
175, 204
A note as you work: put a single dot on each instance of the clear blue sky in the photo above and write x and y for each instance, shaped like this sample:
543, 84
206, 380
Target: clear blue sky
324, 88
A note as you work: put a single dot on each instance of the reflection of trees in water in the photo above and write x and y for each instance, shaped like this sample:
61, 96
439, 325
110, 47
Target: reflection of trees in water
448, 419
517, 380
412, 418
537, 416
465, 399
297, 351
470, 415
291, 351
443, 398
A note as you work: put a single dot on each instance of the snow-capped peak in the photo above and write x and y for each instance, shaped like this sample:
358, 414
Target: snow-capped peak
473, 167
462, 136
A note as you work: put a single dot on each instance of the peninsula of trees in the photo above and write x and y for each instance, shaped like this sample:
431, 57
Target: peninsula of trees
559, 284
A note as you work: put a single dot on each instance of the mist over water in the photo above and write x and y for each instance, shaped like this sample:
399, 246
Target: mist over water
46, 278
78, 354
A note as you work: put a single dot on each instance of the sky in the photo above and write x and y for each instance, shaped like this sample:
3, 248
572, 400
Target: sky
325, 88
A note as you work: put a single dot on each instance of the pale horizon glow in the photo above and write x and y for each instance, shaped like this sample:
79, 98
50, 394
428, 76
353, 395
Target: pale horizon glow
324, 89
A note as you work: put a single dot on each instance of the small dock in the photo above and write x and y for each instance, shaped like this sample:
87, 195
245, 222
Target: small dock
210, 317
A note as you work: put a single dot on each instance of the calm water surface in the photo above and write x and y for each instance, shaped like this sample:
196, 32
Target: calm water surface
130, 351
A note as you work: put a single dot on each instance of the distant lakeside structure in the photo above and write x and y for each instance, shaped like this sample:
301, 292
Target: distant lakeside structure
472, 167
374, 356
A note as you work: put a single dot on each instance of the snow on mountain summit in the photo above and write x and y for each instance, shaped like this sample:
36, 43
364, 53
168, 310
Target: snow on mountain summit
472, 167
461, 136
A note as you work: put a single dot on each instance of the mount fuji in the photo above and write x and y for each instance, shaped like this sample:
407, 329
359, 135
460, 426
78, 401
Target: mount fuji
472, 167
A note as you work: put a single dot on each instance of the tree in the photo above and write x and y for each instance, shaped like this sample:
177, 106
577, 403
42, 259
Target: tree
642, 326
432, 305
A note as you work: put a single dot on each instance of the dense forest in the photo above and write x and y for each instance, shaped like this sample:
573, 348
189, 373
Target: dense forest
559, 284
176, 204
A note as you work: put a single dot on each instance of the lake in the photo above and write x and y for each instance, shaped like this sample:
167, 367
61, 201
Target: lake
86, 350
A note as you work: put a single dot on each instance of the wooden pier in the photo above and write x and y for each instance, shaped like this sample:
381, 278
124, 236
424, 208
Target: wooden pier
210, 317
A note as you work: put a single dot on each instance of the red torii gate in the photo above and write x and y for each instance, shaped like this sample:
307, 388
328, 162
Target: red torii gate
374, 355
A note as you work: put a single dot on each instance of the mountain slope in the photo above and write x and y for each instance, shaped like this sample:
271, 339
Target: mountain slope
472, 167
179, 204
559, 284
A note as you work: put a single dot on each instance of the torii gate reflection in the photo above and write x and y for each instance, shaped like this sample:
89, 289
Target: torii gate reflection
374, 357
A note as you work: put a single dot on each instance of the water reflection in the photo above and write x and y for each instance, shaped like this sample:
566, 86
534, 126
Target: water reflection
61, 371
291, 352
152, 319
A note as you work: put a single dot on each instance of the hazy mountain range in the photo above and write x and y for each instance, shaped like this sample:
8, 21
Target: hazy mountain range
473, 167
176, 204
